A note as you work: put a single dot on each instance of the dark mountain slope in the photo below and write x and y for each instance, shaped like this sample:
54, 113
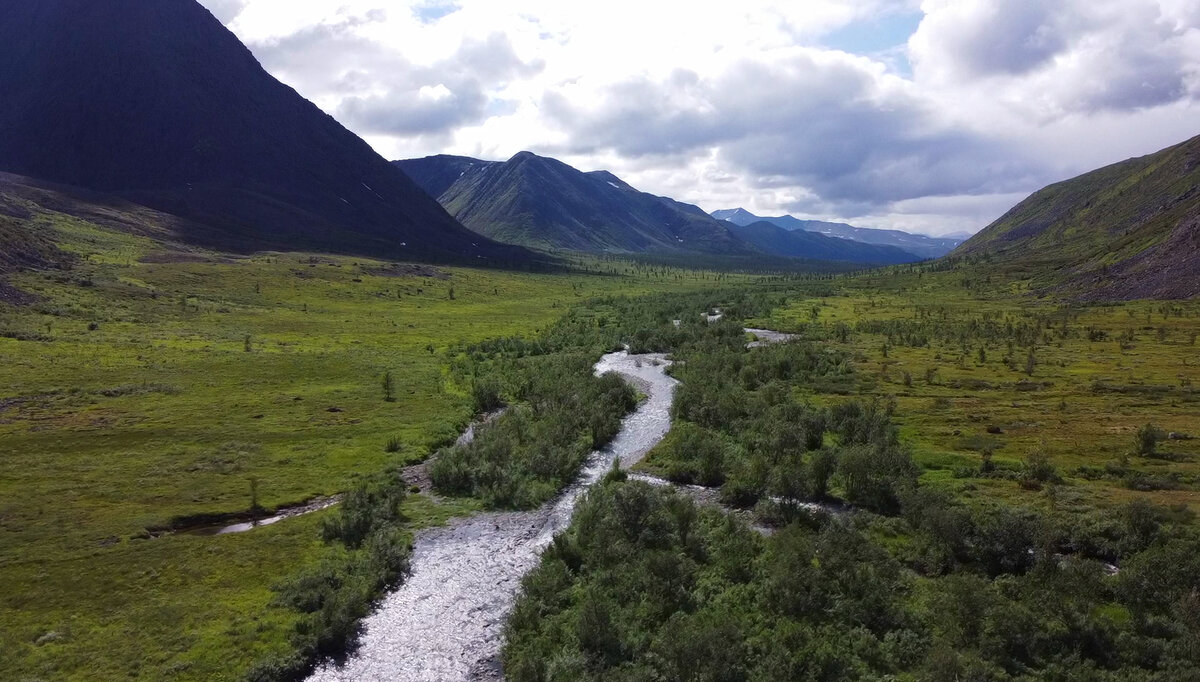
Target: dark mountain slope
435, 174
1129, 230
775, 240
538, 201
917, 244
157, 102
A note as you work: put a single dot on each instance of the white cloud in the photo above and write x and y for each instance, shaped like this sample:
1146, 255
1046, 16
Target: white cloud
729, 104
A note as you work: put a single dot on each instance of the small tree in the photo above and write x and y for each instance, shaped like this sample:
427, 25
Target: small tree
389, 387
1146, 439
1030, 362
1039, 469
246, 344
254, 505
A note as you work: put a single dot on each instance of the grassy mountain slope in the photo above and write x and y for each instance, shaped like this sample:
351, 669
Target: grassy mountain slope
801, 244
542, 202
916, 244
160, 104
1126, 231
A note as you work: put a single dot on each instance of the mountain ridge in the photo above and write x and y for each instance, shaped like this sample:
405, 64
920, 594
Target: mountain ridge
802, 244
539, 201
917, 244
1124, 231
160, 104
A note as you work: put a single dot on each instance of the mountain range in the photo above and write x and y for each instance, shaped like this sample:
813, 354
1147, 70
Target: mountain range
771, 238
159, 104
538, 201
917, 244
542, 202
1126, 231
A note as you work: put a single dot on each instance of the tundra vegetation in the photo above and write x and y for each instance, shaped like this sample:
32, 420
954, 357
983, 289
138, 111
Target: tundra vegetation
143, 387
151, 391
1011, 488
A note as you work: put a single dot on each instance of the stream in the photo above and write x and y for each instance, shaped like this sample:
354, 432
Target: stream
446, 621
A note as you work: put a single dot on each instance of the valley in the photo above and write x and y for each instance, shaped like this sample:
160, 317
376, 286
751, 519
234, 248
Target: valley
275, 408
145, 391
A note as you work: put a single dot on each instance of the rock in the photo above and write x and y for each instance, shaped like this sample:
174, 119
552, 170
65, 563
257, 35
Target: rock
51, 636
995, 429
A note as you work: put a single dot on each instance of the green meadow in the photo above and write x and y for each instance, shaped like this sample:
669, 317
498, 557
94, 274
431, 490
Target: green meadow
146, 387
993, 370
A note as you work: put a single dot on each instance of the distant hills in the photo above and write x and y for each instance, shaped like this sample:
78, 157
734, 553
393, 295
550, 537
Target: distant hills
542, 202
771, 238
1126, 231
916, 244
159, 104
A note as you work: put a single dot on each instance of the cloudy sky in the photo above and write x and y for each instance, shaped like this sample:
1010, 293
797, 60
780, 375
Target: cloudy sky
931, 116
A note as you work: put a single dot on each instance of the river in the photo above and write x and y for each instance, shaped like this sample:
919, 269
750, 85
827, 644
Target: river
446, 621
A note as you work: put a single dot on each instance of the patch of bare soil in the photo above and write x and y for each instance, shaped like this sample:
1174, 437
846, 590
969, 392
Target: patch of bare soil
16, 297
1170, 270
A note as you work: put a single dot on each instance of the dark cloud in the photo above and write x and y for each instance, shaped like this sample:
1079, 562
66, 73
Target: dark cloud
403, 113
826, 124
1013, 37
1070, 56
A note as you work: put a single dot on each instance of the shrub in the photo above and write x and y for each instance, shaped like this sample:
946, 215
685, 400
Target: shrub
1146, 440
875, 475
1038, 468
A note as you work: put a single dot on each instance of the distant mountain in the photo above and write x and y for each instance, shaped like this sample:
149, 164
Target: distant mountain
158, 103
538, 201
773, 239
1126, 231
920, 245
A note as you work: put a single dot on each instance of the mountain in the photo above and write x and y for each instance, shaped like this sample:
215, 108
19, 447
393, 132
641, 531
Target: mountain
538, 201
157, 103
773, 239
920, 245
1126, 231
435, 174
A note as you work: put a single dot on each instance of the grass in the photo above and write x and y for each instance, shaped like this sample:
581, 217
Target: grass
161, 385
1082, 405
